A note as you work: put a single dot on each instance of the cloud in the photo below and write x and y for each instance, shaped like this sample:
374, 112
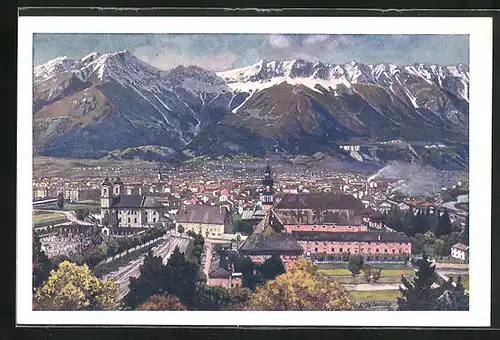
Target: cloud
314, 39
280, 41
167, 60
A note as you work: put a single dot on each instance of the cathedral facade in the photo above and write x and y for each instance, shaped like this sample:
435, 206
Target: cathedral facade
129, 211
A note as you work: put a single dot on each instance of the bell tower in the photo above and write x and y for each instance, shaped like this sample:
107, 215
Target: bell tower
266, 197
106, 197
117, 187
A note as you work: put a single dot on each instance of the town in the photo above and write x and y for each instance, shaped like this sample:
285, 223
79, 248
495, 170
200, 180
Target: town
244, 225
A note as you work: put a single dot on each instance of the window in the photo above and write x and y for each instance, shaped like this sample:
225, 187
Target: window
314, 226
377, 250
393, 251
129, 220
348, 250
333, 250
135, 220
316, 249
340, 250
385, 250
154, 219
400, 251
324, 226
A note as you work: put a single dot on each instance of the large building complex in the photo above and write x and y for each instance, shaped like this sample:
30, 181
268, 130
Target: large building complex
129, 211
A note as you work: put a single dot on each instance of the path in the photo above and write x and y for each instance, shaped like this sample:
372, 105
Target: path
208, 257
369, 286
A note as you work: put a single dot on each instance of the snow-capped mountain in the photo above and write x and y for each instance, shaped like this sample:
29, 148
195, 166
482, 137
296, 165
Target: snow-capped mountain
265, 74
100, 103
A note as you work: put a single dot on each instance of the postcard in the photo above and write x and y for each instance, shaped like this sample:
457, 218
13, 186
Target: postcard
278, 171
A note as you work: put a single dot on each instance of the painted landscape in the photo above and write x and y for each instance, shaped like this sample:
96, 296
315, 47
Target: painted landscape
248, 172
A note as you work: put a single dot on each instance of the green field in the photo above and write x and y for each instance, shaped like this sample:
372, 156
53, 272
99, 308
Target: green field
344, 265
375, 295
385, 272
41, 217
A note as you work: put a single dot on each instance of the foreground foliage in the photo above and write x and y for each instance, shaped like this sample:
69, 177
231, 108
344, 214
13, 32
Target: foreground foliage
73, 287
302, 288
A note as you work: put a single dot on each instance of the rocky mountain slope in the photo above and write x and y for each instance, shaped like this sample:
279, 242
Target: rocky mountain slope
101, 104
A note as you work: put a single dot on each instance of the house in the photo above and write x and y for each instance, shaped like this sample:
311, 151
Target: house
220, 274
460, 251
210, 221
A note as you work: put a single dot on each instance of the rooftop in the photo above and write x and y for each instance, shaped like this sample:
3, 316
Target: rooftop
202, 214
322, 201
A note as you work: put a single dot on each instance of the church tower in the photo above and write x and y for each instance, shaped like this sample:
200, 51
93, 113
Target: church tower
266, 196
106, 197
117, 187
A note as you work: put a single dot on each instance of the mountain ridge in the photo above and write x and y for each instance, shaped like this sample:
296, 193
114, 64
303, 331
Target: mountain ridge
114, 101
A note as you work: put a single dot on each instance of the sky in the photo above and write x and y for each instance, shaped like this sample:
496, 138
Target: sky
220, 52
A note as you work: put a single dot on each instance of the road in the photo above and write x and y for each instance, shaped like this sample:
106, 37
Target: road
207, 257
376, 286
132, 269
369, 286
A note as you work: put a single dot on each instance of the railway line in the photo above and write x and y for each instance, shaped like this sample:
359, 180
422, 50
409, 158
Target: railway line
132, 269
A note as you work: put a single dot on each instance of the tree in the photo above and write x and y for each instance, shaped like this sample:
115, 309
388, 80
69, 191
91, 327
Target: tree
444, 227
180, 277
302, 288
466, 231
113, 247
355, 264
418, 295
453, 297
149, 282
371, 274
82, 213
162, 302
92, 255
40, 262
345, 257
439, 247
74, 287
272, 267
180, 229
60, 200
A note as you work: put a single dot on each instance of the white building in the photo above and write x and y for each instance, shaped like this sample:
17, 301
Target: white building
460, 251
129, 211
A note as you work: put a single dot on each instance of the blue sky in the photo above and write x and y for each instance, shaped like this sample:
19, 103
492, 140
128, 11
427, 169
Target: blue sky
218, 52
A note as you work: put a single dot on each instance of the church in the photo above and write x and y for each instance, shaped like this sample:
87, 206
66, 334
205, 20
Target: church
129, 212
